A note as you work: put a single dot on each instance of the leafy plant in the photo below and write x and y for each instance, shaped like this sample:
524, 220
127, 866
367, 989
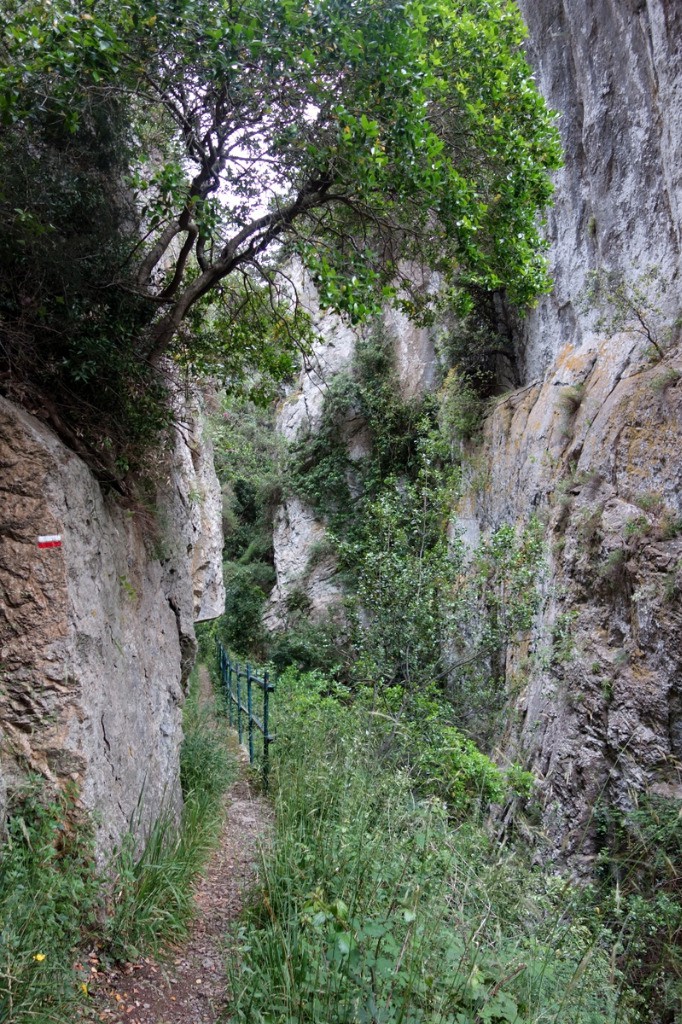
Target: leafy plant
404, 572
497, 596
650, 501
128, 588
373, 907
318, 467
160, 213
672, 586
308, 646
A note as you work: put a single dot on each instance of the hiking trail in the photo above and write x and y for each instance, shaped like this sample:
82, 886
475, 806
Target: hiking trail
189, 985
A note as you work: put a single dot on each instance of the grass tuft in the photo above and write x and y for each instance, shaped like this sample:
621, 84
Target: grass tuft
376, 907
153, 889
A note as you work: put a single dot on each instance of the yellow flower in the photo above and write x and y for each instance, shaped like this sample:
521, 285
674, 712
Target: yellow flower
39, 957
84, 987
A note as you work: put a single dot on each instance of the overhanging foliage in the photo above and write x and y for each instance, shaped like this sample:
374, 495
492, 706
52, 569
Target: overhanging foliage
373, 132
376, 143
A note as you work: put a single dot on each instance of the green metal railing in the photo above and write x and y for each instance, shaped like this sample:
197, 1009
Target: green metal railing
235, 680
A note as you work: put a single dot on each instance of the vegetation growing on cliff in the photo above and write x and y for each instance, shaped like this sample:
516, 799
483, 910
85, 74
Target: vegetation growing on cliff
420, 669
189, 150
421, 610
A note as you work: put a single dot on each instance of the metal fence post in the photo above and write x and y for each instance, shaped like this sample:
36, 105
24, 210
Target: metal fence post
229, 692
239, 703
228, 689
249, 705
228, 670
222, 661
266, 734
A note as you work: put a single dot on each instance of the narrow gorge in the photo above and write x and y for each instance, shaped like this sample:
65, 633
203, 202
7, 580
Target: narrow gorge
345, 338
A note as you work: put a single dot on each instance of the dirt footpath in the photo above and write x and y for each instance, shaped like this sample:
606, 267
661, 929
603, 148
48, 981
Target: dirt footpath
190, 985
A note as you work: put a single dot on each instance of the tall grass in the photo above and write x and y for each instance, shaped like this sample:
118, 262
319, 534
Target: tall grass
153, 889
48, 894
374, 907
53, 898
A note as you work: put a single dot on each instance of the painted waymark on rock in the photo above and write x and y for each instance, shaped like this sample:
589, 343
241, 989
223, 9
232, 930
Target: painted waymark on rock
53, 540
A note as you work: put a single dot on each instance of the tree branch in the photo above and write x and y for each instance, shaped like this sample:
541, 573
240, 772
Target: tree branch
170, 290
259, 234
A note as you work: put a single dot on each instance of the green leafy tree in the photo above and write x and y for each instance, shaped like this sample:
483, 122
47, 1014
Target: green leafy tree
404, 571
362, 138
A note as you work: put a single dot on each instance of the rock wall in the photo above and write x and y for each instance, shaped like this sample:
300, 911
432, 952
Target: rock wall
612, 71
591, 440
296, 537
598, 714
96, 636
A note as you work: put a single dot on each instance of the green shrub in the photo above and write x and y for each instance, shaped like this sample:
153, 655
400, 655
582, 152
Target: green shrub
153, 888
638, 526
319, 465
374, 908
461, 408
246, 590
307, 646
49, 894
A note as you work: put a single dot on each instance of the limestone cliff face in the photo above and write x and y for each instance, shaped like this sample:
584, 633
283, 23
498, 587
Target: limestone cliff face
592, 441
96, 636
598, 714
612, 71
297, 535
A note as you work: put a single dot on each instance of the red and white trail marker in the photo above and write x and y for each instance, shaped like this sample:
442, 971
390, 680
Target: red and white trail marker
53, 540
